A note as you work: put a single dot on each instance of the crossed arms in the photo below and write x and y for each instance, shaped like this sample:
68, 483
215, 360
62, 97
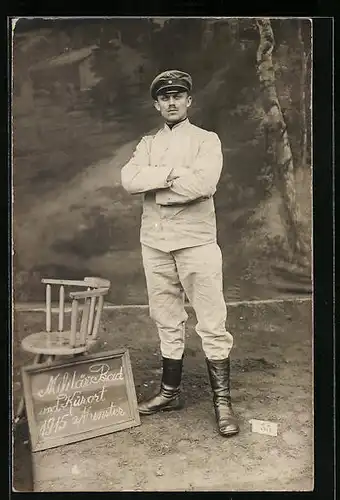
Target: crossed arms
175, 185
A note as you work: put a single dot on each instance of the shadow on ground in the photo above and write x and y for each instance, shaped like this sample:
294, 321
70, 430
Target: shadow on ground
271, 380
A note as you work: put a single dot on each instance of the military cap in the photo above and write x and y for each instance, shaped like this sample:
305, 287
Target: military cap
170, 80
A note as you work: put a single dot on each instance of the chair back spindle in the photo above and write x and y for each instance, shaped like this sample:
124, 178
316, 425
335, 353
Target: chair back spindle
97, 318
91, 316
74, 317
61, 308
84, 321
48, 308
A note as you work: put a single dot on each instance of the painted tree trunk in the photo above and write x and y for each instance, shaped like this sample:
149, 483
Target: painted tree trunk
278, 145
303, 143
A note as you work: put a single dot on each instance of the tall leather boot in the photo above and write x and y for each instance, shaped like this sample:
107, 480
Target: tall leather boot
168, 398
219, 375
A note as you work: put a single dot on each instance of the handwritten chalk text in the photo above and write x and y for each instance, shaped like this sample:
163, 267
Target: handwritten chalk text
99, 373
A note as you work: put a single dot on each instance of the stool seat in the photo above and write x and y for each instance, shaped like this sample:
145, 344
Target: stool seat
55, 343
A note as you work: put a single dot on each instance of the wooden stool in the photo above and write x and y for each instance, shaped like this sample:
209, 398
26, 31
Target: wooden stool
83, 331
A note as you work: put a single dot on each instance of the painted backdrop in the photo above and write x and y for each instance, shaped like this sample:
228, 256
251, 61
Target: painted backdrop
81, 103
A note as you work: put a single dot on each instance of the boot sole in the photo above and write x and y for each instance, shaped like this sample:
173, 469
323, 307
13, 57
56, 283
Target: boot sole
228, 434
152, 412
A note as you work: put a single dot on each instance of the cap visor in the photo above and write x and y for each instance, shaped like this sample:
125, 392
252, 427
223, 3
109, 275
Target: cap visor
172, 89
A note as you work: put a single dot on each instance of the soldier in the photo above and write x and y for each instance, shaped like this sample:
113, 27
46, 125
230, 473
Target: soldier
177, 171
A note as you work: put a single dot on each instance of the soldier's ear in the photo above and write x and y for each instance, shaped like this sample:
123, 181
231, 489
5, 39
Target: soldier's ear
189, 101
156, 104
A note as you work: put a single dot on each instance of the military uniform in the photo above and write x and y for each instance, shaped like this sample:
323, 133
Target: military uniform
178, 234
178, 231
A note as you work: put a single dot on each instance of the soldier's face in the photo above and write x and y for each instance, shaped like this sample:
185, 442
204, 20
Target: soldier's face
173, 106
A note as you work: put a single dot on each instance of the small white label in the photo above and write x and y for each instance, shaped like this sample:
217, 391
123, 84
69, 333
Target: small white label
263, 427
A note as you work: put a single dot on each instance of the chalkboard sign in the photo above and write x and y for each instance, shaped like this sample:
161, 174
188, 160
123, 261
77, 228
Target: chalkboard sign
79, 399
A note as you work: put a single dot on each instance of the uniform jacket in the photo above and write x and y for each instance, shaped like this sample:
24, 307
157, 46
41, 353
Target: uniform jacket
182, 215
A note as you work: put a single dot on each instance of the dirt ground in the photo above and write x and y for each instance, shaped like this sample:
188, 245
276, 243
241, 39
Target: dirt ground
182, 451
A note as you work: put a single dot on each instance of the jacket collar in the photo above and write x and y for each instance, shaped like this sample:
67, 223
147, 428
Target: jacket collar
180, 125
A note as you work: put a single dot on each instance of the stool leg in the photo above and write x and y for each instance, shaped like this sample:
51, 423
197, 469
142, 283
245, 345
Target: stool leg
38, 358
20, 410
21, 406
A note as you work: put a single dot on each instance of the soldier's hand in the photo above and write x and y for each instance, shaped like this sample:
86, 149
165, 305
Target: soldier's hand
172, 176
178, 172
